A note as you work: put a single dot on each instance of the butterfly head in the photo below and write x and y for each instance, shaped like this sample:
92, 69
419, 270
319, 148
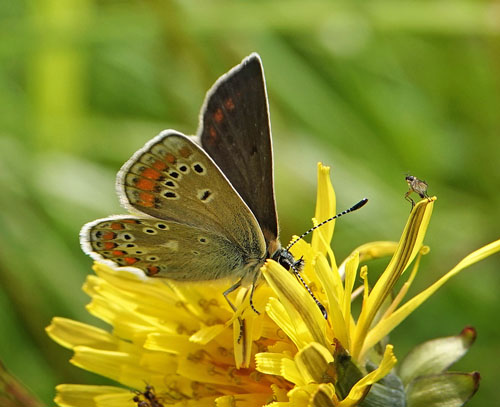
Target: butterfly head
285, 258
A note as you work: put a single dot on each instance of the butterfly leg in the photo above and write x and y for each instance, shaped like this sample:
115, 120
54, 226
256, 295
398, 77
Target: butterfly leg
240, 320
229, 291
237, 285
254, 284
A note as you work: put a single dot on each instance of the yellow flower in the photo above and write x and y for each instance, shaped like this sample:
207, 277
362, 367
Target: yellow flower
183, 340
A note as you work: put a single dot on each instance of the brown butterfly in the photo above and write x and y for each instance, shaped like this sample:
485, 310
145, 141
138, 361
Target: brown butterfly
203, 206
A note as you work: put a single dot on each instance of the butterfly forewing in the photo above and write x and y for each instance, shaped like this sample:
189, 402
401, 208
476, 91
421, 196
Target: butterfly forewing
235, 131
207, 230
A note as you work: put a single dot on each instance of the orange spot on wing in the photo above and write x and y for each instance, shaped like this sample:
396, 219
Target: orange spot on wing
218, 115
108, 236
129, 221
213, 135
130, 260
170, 158
116, 226
146, 199
185, 152
145, 184
160, 165
229, 104
109, 245
152, 270
117, 253
151, 173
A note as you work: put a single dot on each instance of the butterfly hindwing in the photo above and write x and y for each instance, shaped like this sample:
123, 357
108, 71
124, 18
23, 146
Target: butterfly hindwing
235, 131
162, 248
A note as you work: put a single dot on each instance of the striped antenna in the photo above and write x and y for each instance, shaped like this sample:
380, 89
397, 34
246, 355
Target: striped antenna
360, 204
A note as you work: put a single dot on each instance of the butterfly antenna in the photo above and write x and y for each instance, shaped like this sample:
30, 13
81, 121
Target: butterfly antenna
360, 204
299, 277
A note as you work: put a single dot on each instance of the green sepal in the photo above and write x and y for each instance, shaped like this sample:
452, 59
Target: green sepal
442, 390
347, 372
435, 356
387, 392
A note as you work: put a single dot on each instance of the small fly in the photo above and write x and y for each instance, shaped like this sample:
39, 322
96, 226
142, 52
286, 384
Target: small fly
147, 398
416, 185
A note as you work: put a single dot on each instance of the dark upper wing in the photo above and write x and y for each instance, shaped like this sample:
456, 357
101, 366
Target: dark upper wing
236, 133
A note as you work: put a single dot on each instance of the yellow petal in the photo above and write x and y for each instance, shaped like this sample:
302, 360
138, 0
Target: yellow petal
324, 396
279, 393
393, 320
124, 367
276, 311
198, 402
206, 334
291, 372
313, 362
308, 321
330, 279
375, 250
125, 322
303, 396
351, 269
408, 247
325, 209
69, 333
243, 400
171, 343
115, 400
79, 395
406, 286
334, 290
359, 390
269, 363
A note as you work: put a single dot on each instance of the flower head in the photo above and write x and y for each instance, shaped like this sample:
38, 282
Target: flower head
183, 340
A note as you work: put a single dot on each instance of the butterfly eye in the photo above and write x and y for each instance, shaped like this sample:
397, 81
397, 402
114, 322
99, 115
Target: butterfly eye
198, 168
161, 226
152, 258
149, 231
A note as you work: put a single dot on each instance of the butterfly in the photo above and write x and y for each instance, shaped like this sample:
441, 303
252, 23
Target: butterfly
204, 207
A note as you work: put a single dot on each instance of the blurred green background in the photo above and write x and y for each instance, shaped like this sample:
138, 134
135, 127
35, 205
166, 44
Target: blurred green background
373, 89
